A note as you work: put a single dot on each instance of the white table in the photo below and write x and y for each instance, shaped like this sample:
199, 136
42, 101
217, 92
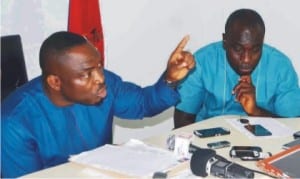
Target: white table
273, 145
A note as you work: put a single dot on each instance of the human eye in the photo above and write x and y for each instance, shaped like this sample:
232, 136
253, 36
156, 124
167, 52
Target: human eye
256, 49
85, 75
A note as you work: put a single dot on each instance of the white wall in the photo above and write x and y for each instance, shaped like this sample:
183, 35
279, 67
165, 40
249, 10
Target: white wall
140, 35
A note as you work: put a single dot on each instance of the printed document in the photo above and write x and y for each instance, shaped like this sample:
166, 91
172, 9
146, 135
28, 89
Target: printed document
134, 158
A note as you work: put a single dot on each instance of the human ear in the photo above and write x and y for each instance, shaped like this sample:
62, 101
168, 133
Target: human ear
224, 40
54, 82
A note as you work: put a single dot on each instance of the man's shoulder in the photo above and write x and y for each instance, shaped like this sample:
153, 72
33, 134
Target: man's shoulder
272, 58
22, 97
210, 54
213, 48
110, 77
273, 55
109, 73
273, 51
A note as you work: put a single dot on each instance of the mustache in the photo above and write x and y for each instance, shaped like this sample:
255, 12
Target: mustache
245, 66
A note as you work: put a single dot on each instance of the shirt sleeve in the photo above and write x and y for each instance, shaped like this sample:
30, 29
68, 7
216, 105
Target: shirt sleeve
135, 102
288, 104
287, 101
16, 141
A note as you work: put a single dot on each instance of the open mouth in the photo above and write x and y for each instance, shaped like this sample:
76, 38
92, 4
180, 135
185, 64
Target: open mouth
102, 91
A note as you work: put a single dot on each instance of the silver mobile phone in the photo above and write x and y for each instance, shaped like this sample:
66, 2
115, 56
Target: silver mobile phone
218, 144
246, 152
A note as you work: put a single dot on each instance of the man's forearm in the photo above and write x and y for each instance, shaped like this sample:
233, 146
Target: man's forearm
182, 118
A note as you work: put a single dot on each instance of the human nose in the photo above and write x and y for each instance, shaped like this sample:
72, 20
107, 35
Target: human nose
99, 76
246, 56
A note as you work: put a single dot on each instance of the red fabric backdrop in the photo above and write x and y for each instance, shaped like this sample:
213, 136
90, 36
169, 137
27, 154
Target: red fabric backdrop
85, 19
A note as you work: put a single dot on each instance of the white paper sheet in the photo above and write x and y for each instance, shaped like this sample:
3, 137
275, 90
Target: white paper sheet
274, 126
134, 158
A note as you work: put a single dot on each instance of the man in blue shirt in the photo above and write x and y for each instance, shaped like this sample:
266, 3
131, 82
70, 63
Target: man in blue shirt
70, 107
239, 75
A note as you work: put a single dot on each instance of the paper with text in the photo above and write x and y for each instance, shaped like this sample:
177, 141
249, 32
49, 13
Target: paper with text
133, 158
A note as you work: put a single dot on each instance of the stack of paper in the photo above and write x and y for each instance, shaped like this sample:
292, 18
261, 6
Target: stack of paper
133, 159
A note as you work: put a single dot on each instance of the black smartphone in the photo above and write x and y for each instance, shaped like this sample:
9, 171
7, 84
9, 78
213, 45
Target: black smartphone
296, 135
258, 130
245, 152
218, 144
210, 132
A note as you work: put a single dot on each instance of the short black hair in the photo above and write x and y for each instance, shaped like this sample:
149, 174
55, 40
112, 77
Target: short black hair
248, 17
57, 43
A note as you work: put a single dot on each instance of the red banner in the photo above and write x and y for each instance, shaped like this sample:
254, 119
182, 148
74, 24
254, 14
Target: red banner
84, 19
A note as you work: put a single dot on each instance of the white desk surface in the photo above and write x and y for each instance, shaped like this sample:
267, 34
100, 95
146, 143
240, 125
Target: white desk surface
273, 145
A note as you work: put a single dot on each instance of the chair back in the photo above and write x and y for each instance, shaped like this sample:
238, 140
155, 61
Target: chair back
13, 69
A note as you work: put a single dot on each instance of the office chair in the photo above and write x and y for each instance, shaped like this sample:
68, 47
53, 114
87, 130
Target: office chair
13, 70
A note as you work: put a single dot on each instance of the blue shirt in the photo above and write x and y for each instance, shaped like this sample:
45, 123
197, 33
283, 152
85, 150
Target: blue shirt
36, 134
207, 90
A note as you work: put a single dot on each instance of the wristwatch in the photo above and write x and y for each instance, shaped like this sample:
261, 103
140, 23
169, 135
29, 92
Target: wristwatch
172, 84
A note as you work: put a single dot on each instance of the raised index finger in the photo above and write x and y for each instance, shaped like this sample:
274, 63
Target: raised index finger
182, 44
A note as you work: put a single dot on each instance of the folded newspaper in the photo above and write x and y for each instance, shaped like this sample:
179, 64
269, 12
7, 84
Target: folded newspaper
134, 158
